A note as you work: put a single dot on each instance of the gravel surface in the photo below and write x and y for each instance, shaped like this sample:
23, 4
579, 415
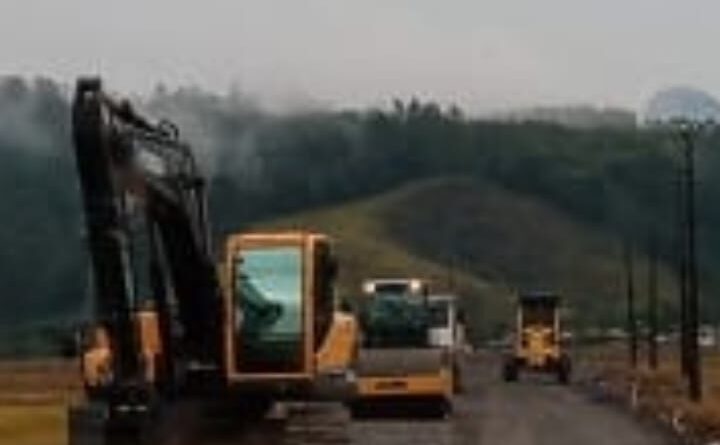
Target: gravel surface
533, 411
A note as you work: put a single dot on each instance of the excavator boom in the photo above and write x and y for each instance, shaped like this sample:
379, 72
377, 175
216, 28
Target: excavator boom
147, 231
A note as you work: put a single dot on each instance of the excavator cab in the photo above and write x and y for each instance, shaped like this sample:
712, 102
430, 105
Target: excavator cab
284, 334
537, 344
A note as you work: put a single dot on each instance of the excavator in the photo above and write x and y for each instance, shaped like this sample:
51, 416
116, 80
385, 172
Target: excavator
172, 324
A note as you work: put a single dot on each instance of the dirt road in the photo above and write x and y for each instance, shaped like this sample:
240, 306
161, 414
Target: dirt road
534, 411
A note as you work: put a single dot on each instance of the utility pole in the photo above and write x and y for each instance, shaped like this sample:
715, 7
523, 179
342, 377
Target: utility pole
451, 273
687, 135
451, 258
682, 272
652, 309
630, 296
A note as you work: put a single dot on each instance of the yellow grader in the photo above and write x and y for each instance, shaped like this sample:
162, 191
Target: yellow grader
537, 344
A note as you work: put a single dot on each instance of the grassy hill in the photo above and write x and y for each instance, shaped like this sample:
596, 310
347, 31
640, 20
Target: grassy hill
483, 242
472, 238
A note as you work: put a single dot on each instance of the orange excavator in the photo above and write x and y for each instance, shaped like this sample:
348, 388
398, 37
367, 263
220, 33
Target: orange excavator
170, 324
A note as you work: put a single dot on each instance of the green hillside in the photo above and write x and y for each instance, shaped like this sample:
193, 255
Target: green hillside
496, 241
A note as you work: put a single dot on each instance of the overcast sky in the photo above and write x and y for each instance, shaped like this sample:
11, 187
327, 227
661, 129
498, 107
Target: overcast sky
484, 55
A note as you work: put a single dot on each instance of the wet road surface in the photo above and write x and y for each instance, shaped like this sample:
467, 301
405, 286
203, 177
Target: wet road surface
533, 411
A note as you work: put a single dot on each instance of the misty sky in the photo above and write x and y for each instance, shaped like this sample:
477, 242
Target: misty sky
483, 55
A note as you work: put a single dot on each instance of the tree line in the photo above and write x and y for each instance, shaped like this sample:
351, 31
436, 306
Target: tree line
263, 165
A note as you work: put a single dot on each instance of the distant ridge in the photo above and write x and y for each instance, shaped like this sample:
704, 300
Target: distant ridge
574, 116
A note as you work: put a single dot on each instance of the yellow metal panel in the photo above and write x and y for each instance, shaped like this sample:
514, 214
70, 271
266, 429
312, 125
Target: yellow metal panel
419, 385
148, 328
96, 361
339, 349
540, 346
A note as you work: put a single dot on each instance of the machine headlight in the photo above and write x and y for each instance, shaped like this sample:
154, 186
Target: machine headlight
350, 376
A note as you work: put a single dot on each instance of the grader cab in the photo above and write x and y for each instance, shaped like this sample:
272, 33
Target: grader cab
537, 342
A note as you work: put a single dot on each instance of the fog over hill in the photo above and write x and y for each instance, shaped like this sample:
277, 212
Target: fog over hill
574, 116
682, 103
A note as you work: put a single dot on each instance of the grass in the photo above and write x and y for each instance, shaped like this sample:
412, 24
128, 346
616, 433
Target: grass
662, 393
33, 401
366, 248
33, 424
499, 240
516, 240
42, 380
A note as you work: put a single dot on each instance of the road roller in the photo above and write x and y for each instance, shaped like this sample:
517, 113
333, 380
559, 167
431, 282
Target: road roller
398, 369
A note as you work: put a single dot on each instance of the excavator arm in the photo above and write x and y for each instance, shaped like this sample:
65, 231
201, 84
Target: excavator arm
145, 209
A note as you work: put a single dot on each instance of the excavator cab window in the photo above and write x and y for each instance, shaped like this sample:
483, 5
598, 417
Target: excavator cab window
269, 287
